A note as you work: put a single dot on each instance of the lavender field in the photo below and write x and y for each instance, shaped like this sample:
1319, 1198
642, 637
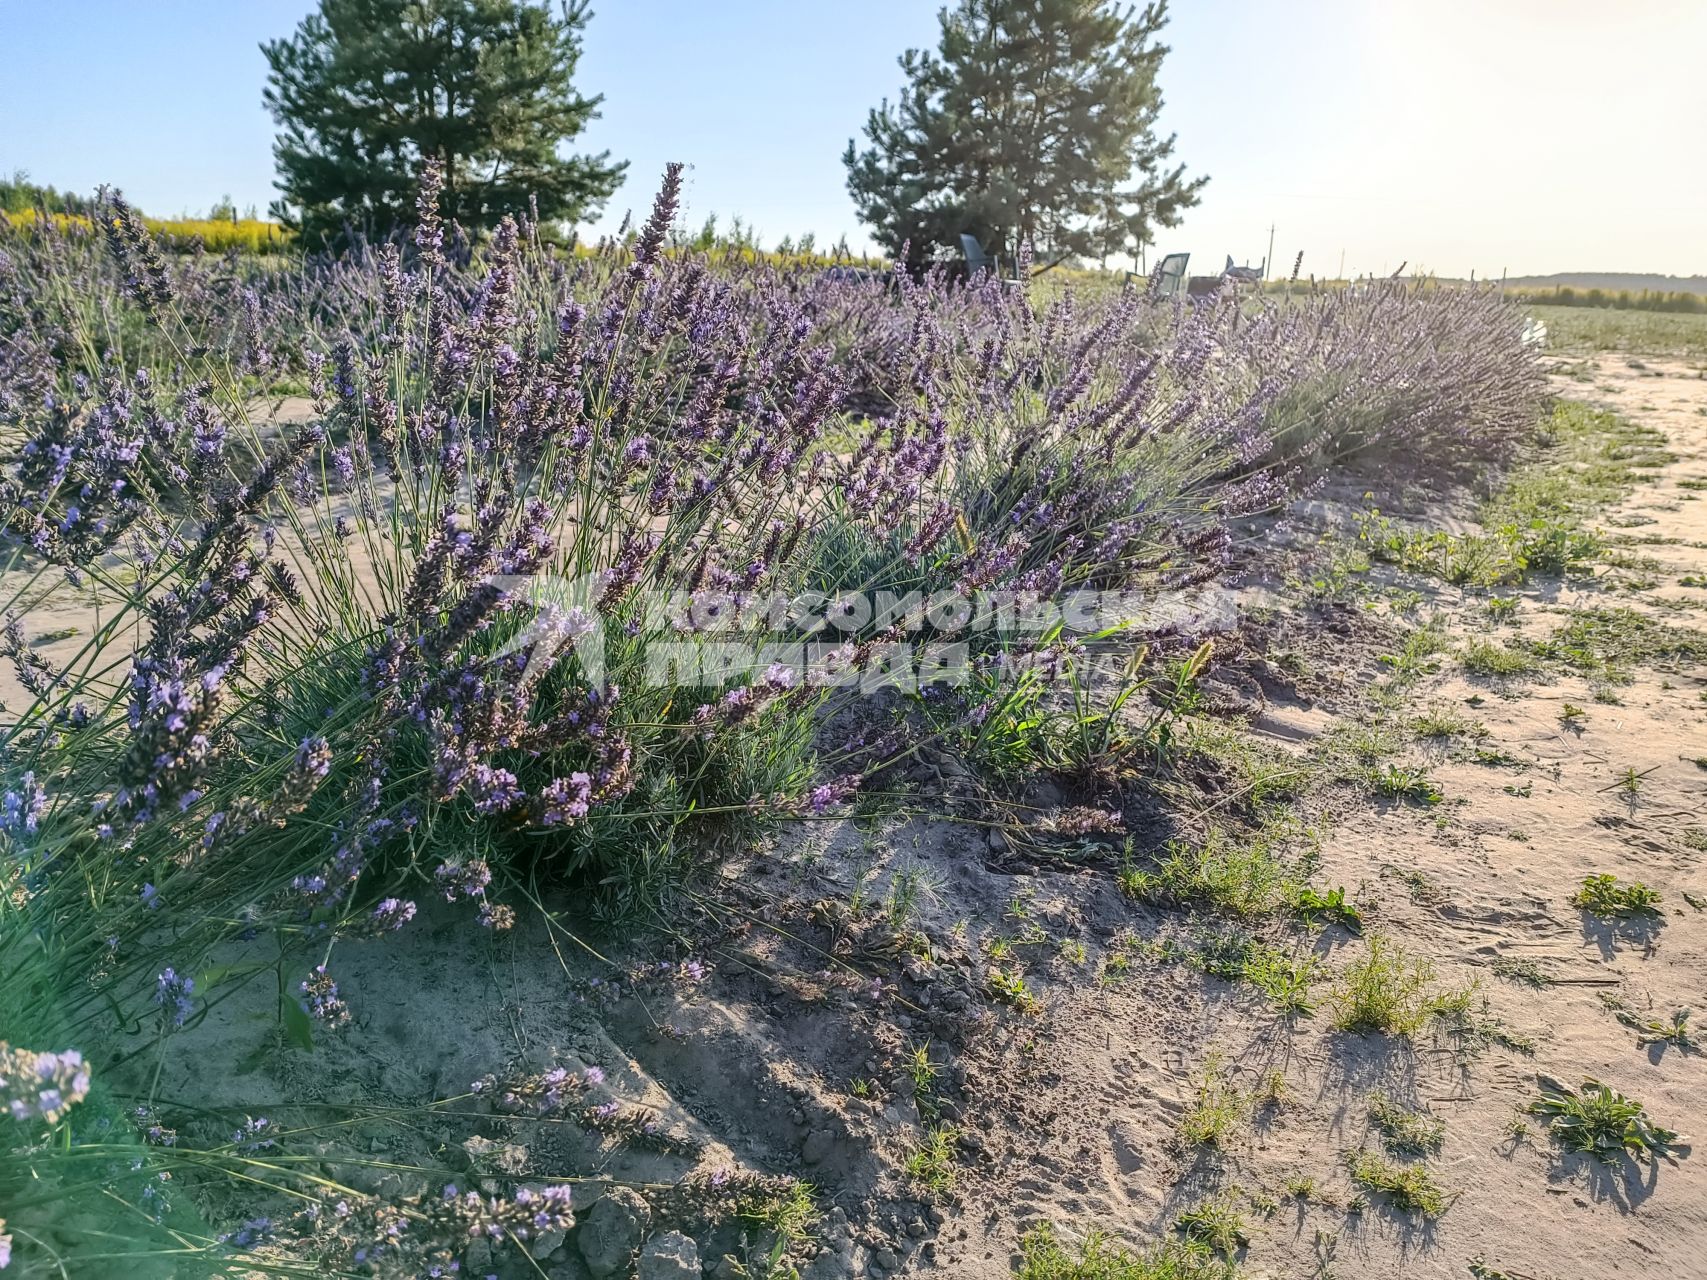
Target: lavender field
307, 751
540, 762
769, 642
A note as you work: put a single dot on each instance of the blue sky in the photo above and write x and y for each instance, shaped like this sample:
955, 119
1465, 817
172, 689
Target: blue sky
1534, 135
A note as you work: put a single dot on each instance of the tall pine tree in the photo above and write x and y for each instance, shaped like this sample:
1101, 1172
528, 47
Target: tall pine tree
1033, 124
365, 89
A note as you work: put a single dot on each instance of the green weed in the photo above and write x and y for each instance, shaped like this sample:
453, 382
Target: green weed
1526, 972
1217, 1224
1008, 986
1606, 897
1406, 782
1044, 1257
1445, 721
1485, 658
1653, 1031
789, 1214
1405, 1131
1333, 906
1614, 640
1238, 876
1409, 1187
1599, 1121
1218, 1109
931, 1163
1283, 977
1386, 991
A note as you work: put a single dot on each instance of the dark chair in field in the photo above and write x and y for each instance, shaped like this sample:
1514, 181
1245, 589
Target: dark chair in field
1170, 274
977, 259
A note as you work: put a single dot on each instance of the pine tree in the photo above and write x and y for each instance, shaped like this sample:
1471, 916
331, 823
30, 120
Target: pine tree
1033, 124
365, 89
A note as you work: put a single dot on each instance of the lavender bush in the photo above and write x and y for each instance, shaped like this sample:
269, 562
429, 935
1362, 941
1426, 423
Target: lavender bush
1341, 371
1386, 367
320, 685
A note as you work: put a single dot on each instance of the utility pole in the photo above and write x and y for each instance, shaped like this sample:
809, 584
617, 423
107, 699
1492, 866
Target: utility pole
1269, 260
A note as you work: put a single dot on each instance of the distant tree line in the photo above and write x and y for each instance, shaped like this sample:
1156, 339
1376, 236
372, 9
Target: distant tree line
19, 195
1615, 299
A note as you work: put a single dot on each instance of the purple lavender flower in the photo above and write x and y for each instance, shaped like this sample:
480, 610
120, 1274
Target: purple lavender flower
827, 795
693, 971
22, 807
463, 879
255, 1135
565, 801
314, 758
254, 1231
429, 224
392, 914
172, 993
494, 790
41, 1086
496, 915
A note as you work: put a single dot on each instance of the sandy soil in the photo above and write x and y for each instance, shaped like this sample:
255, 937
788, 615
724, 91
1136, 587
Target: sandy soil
1490, 872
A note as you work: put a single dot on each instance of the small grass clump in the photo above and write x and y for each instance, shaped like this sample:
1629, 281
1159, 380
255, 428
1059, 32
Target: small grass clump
1333, 906
1447, 722
1217, 1224
1605, 896
1218, 1108
1008, 986
1650, 1031
1615, 640
1386, 991
1284, 978
1240, 876
788, 1213
1524, 971
1410, 783
1485, 658
1409, 1187
1045, 1257
1599, 1121
1259, 773
1404, 1131
931, 1164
